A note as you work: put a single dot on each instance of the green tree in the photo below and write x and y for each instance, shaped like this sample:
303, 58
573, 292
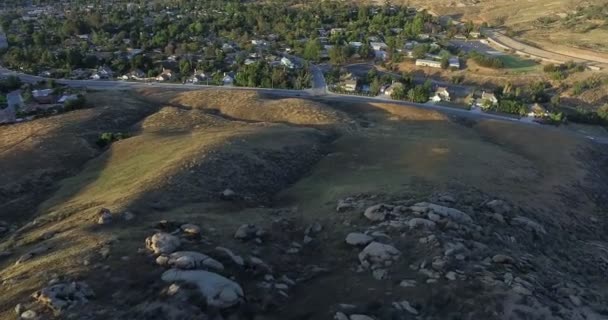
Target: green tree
312, 51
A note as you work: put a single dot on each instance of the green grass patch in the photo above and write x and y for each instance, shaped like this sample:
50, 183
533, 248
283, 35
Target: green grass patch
518, 64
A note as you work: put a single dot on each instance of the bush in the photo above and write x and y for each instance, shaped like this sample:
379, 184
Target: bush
486, 61
107, 138
75, 104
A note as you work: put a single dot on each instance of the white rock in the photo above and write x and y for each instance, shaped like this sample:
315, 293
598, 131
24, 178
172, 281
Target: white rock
451, 275
19, 309
235, 258
220, 292
189, 260
454, 214
529, 224
191, 229
407, 283
29, 314
105, 217
419, 222
162, 242
340, 316
378, 212
248, 231
433, 216
378, 254
60, 296
360, 317
358, 239
380, 274
405, 306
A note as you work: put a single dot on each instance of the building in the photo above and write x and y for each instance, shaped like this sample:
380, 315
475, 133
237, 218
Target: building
350, 85
377, 46
538, 111
228, 80
355, 44
288, 63
166, 75
441, 94
454, 62
474, 34
389, 91
428, 63
488, 99
43, 96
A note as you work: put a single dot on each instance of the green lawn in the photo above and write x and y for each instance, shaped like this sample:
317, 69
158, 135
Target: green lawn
518, 64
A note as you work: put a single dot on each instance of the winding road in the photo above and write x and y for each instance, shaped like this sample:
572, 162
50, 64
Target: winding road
318, 92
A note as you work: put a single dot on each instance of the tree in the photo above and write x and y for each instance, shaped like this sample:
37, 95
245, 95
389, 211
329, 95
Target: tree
399, 93
374, 87
185, 67
312, 51
445, 63
602, 112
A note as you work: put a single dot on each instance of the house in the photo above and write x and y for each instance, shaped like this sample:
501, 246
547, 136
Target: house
288, 63
389, 91
441, 94
424, 36
337, 31
259, 42
377, 46
166, 75
410, 45
428, 63
228, 79
64, 98
102, 73
43, 96
474, 34
538, 111
355, 44
84, 37
249, 61
227, 47
454, 62
14, 99
488, 99
197, 77
350, 85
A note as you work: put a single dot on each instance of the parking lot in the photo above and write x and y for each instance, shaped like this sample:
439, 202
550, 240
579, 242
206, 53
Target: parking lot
475, 45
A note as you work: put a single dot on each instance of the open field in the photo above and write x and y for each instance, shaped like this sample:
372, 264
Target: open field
518, 64
289, 162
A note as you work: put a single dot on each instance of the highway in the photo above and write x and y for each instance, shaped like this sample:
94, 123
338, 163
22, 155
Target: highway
317, 92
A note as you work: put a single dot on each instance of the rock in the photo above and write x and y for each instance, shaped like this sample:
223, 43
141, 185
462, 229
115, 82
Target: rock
358, 239
529, 224
29, 314
378, 212
433, 216
498, 206
219, 292
19, 309
104, 216
248, 231
61, 296
502, 258
508, 278
377, 254
345, 204
521, 290
47, 235
380, 274
419, 222
228, 195
451, 213
438, 264
128, 216
189, 260
420, 209
191, 229
575, 300
447, 199
407, 283
405, 306
162, 243
32, 253
451, 275
360, 317
235, 258
313, 229
340, 316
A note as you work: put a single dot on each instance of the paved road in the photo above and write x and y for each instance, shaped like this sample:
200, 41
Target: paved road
502, 39
362, 69
316, 92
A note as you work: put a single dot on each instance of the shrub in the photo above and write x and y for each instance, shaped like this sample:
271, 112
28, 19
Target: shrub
486, 61
107, 138
75, 104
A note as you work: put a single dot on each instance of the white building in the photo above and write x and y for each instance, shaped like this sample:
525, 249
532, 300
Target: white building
288, 63
441, 94
454, 62
428, 63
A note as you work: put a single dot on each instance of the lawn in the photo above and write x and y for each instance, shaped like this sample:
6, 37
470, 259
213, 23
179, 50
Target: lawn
518, 64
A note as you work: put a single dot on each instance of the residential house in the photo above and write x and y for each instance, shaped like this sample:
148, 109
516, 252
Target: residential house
227, 47
103, 73
337, 31
256, 42
389, 91
474, 34
228, 79
454, 62
349, 85
487, 99
166, 75
67, 97
377, 46
355, 44
428, 63
441, 94
43, 96
197, 77
249, 61
409, 45
288, 63
424, 36
538, 111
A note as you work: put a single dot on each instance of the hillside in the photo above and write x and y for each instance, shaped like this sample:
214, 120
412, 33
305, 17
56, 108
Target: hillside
298, 209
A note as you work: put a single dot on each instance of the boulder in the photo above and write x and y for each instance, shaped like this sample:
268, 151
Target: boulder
360, 317
340, 316
219, 292
358, 239
502, 258
61, 296
529, 224
162, 243
498, 206
228, 194
378, 212
420, 223
29, 314
104, 216
377, 254
248, 231
405, 306
189, 260
446, 212
235, 258
345, 204
191, 229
